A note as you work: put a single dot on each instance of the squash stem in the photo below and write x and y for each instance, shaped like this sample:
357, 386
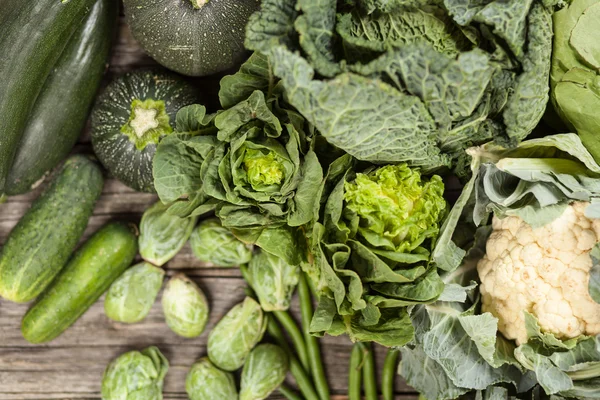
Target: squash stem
198, 4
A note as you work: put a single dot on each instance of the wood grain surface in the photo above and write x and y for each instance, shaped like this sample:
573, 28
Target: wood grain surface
71, 366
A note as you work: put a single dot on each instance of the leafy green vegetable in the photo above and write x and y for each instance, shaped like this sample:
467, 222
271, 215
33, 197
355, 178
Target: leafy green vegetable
410, 81
178, 160
264, 370
273, 281
162, 235
236, 334
213, 243
457, 348
185, 307
371, 249
259, 172
135, 375
204, 381
575, 80
132, 295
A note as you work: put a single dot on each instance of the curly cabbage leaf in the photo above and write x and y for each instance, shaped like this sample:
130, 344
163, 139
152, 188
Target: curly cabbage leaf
462, 72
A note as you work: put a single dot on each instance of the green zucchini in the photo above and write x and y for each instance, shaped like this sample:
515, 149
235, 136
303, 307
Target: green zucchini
43, 240
61, 109
131, 116
91, 271
34, 33
192, 37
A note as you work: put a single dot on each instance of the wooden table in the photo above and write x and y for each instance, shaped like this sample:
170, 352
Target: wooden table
71, 366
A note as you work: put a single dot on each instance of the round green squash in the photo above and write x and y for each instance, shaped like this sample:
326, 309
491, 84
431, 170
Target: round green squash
192, 37
131, 116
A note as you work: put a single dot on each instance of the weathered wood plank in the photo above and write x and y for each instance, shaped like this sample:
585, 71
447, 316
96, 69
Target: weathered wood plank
84, 350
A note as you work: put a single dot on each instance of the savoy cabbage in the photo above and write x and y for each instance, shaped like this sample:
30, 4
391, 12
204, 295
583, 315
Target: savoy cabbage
414, 81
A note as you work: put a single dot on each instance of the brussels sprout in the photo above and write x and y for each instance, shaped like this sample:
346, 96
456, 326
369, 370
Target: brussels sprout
213, 243
236, 334
131, 296
264, 370
207, 382
136, 375
185, 307
273, 280
162, 235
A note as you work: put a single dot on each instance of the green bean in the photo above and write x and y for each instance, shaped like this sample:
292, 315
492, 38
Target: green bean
312, 343
369, 380
299, 374
290, 326
389, 373
354, 375
288, 393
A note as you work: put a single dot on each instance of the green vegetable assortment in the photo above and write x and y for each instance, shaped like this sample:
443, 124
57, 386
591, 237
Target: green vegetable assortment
425, 174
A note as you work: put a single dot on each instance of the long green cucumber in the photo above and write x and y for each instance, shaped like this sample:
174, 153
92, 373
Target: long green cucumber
62, 107
41, 243
101, 260
33, 35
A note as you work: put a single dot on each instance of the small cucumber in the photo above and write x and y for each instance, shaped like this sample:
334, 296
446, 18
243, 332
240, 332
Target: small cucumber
44, 239
93, 268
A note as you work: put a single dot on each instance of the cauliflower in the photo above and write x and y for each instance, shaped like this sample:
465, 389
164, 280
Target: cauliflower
544, 271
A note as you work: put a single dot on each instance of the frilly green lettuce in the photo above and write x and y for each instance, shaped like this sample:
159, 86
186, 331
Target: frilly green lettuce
370, 249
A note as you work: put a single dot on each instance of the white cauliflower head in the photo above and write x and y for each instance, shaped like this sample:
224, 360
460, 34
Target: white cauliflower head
544, 271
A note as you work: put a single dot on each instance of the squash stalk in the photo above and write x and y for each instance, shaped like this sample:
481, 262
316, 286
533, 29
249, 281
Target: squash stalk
198, 4
148, 123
